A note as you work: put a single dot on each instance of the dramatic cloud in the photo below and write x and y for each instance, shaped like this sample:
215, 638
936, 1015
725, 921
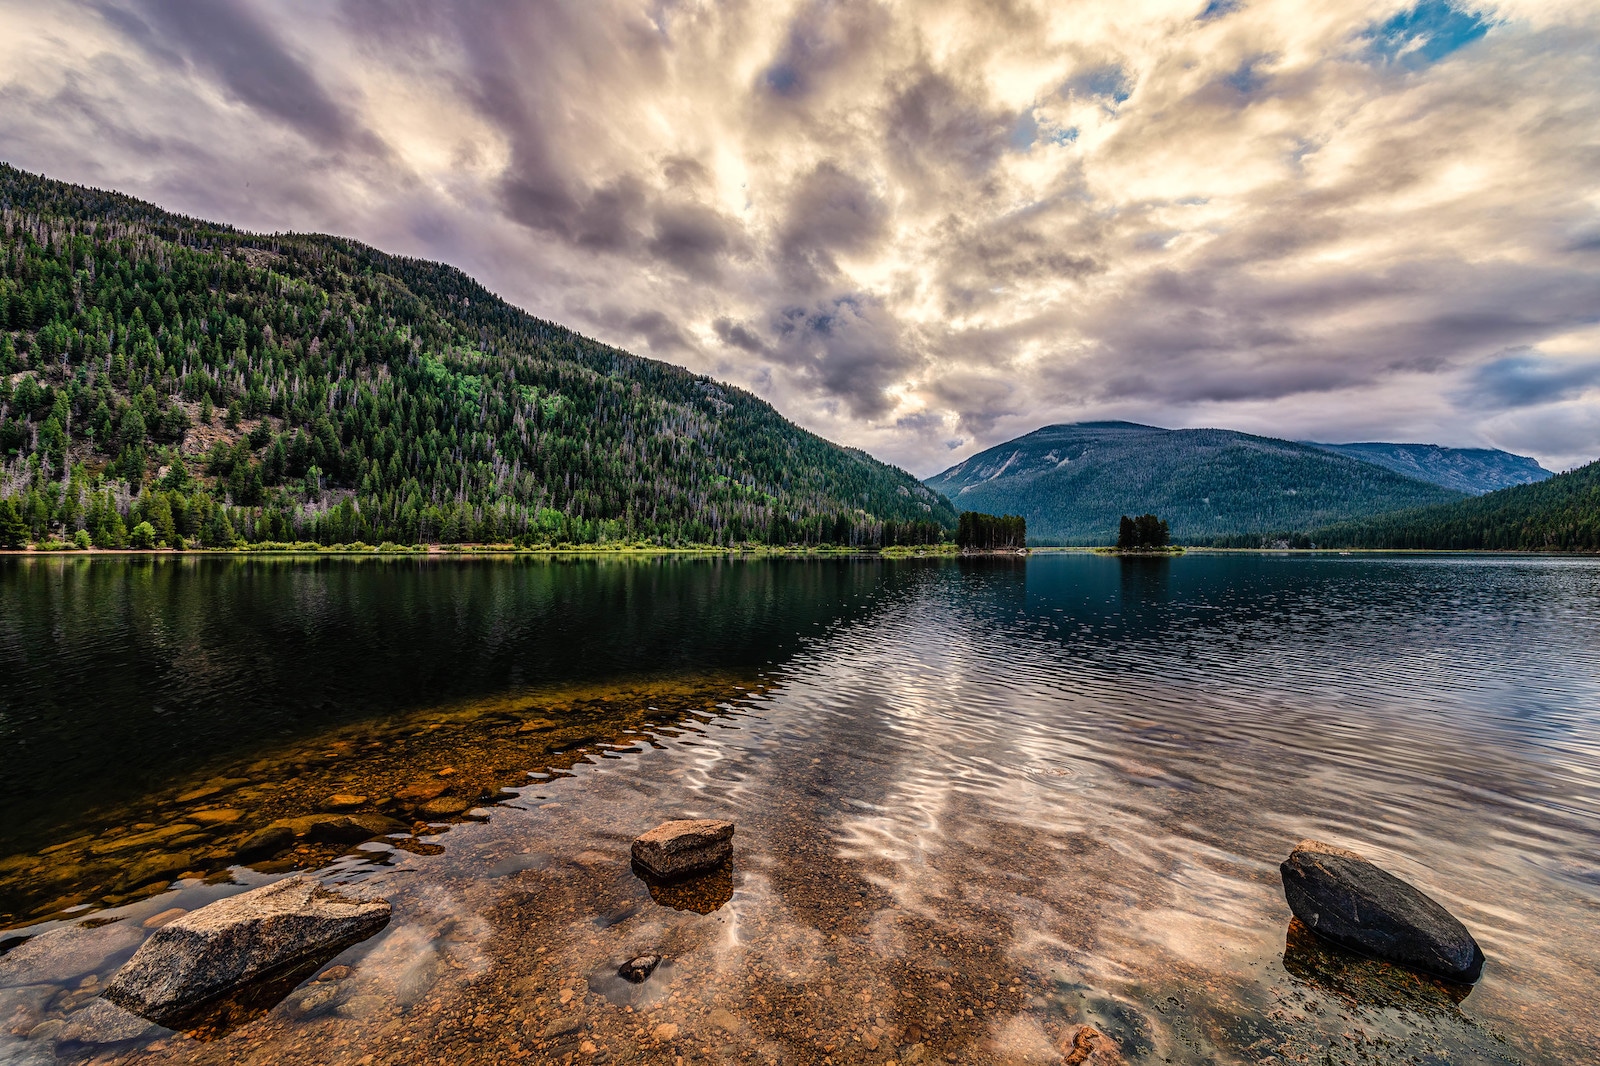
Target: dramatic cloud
923, 227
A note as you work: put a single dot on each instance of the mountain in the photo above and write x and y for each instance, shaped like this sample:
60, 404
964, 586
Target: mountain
1073, 482
1561, 513
221, 385
1473, 471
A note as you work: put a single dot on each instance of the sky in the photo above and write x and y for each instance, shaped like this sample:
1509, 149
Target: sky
920, 228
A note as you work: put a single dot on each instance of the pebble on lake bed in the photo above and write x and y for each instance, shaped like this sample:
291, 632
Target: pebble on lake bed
1342, 897
680, 848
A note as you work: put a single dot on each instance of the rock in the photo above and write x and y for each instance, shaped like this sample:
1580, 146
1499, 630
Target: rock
265, 843
674, 849
340, 828
563, 1026
64, 955
363, 1006
308, 1001
422, 791
162, 836
445, 807
665, 1032
343, 801
639, 968
217, 816
232, 942
723, 1019
103, 1023
1342, 897
1087, 1044
156, 920
214, 787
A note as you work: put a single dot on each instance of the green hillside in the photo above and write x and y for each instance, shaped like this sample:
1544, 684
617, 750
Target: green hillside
1560, 514
1073, 482
226, 386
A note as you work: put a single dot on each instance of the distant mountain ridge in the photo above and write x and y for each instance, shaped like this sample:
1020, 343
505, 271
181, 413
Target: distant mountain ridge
1072, 483
1474, 471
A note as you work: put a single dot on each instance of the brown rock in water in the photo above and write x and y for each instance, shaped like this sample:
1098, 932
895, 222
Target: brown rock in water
209, 952
216, 816
680, 848
445, 807
1342, 897
340, 828
343, 801
422, 791
265, 843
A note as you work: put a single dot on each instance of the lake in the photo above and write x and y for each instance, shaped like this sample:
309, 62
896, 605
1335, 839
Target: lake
980, 803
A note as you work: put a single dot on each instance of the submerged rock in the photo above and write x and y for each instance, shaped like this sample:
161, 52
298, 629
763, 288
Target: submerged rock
100, 1022
211, 951
339, 828
265, 843
639, 968
676, 849
65, 954
1342, 897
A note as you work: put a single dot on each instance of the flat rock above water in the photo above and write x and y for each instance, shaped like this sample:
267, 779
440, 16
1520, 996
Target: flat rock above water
211, 951
1342, 897
683, 847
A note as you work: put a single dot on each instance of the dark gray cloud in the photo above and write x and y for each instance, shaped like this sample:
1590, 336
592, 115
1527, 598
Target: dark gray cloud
1525, 379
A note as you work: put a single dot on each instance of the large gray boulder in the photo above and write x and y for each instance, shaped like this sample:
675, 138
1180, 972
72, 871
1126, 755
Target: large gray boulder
1342, 897
209, 952
680, 848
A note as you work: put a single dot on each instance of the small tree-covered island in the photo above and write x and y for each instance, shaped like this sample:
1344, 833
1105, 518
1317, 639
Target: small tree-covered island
1145, 534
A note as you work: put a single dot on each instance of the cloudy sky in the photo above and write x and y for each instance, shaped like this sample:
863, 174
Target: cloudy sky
920, 227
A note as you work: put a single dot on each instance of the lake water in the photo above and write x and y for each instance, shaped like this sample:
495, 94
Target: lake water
980, 803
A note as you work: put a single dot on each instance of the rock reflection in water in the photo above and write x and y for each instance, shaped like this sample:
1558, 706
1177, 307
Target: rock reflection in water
1364, 982
701, 894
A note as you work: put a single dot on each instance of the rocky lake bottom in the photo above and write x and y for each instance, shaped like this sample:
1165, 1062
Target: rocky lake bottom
987, 812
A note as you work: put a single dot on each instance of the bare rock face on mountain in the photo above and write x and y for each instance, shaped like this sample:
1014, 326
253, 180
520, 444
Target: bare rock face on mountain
677, 849
212, 951
1342, 897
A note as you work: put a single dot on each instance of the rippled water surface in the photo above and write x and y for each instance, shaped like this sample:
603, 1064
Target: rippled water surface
980, 804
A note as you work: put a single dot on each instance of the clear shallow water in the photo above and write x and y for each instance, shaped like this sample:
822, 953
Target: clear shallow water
1050, 793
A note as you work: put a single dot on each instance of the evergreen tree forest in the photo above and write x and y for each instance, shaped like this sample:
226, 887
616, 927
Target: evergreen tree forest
1145, 532
987, 532
1560, 514
168, 381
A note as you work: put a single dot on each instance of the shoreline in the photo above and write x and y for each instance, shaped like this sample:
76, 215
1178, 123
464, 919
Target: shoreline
931, 551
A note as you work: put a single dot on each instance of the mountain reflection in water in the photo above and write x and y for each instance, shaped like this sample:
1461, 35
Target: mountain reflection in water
981, 804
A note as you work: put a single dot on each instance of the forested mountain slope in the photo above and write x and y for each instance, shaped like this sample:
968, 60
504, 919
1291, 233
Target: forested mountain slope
1559, 514
222, 385
1470, 470
1073, 482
